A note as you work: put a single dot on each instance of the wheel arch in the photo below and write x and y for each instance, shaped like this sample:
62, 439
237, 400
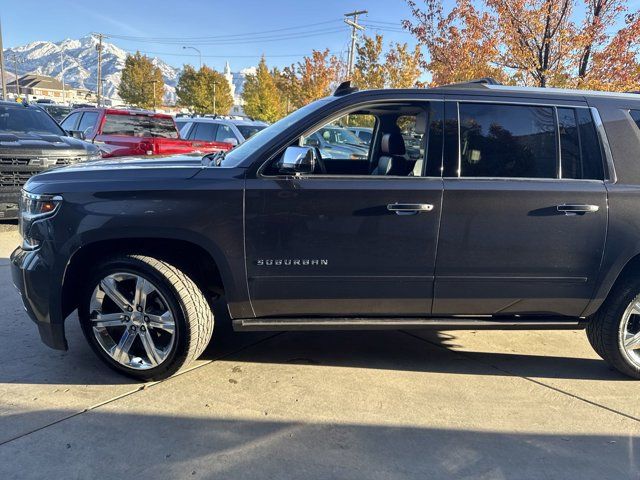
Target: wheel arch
630, 269
194, 259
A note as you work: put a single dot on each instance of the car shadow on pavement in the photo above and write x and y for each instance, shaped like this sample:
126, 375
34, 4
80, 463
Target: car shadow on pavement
421, 351
209, 445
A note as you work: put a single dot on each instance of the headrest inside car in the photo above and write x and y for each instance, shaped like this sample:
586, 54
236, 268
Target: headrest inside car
392, 144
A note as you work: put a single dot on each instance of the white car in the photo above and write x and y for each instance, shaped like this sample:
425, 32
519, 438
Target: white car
218, 129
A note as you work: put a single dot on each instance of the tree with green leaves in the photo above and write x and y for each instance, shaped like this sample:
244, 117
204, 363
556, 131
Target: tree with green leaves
368, 70
204, 91
261, 96
402, 66
141, 79
399, 67
289, 86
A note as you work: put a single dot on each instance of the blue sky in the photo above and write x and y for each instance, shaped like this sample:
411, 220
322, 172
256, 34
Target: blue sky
302, 25
321, 19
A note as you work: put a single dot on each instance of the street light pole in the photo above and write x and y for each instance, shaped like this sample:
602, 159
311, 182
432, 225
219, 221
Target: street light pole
199, 53
214, 97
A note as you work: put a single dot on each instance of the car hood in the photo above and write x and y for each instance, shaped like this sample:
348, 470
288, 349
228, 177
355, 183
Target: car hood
136, 172
43, 144
142, 162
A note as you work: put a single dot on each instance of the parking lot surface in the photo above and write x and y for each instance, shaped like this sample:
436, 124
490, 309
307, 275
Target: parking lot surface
374, 405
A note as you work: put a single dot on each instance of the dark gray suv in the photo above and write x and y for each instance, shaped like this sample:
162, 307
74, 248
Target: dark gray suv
521, 211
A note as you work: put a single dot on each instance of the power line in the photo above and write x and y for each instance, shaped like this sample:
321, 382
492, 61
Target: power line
249, 39
219, 37
257, 55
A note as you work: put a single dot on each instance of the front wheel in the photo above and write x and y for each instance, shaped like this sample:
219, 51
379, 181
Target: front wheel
614, 331
144, 317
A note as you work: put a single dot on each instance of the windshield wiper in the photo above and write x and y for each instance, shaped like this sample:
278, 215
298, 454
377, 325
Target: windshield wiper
214, 158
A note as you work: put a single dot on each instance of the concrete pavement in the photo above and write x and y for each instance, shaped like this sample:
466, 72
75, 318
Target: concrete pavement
373, 405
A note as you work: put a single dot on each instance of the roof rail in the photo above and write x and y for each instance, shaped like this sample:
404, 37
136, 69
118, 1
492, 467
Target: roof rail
478, 82
344, 88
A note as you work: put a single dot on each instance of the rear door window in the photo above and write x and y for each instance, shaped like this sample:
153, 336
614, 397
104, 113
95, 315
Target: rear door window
516, 141
204, 131
224, 133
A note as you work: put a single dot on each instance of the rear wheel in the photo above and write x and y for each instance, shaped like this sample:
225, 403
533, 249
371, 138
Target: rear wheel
614, 331
144, 317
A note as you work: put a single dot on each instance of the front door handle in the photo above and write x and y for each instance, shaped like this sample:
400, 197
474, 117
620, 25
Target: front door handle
409, 208
573, 209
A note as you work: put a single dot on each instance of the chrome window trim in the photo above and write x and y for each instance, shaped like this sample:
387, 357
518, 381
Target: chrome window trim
604, 142
527, 102
525, 179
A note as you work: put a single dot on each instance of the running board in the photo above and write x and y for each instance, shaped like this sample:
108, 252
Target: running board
447, 323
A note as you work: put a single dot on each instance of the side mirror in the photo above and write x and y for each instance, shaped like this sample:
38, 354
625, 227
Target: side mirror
312, 142
297, 160
231, 140
77, 134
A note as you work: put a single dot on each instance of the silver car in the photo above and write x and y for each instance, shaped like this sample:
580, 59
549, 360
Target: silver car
218, 129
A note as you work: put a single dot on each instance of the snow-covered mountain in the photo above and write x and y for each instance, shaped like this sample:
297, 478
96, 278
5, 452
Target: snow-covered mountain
81, 64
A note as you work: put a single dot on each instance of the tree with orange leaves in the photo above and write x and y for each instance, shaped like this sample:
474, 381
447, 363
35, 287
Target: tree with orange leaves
461, 45
531, 42
318, 75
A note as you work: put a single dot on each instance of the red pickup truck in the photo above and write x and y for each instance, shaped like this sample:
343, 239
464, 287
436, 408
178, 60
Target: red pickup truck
121, 133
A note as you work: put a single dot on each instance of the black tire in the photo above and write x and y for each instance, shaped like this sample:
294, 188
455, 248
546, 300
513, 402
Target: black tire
192, 313
603, 329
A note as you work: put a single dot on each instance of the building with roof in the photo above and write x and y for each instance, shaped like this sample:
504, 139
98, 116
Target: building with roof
41, 87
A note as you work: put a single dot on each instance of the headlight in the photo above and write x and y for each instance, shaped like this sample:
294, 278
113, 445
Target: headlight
35, 207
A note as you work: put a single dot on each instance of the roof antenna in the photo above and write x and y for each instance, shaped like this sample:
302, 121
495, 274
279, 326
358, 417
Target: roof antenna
344, 88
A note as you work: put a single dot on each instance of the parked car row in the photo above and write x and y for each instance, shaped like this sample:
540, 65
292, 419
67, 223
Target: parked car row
134, 132
37, 136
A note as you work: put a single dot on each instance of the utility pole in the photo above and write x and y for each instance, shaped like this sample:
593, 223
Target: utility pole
99, 82
2, 76
354, 35
64, 93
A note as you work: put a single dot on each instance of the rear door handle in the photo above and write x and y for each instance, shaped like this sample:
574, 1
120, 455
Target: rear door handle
573, 209
409, 208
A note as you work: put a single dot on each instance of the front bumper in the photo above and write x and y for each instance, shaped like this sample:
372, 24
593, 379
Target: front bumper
33, 278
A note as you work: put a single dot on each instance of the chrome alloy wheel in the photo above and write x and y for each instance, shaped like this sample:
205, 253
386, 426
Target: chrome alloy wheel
629, 335
132, 321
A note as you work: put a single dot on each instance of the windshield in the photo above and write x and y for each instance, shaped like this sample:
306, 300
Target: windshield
249, 131
139, 126
20, 119
257, 141
340, 136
